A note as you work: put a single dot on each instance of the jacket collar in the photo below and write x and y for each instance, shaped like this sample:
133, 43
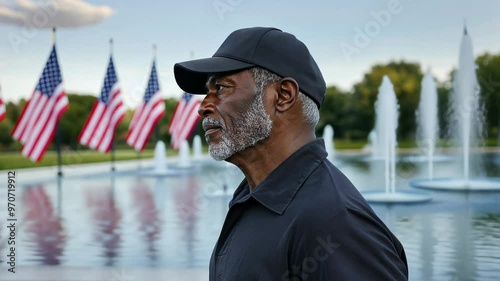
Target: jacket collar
278, 189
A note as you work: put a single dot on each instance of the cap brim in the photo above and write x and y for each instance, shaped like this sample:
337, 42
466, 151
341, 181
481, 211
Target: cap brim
191, 76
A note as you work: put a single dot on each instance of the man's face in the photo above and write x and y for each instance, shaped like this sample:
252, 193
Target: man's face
234, 115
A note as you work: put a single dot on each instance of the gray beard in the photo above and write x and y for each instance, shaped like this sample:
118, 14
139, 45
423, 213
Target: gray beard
252, 126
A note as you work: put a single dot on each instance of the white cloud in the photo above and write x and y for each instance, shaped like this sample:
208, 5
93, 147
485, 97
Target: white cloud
53, 13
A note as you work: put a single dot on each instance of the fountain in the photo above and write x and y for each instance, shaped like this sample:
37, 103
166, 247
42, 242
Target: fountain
184, 161
197, 149
160, 157
160, 167
465, 102
427, 119
329, 144
377, 138
374, 146
427, 126
386, 124
160, 188
466, 124
371, 144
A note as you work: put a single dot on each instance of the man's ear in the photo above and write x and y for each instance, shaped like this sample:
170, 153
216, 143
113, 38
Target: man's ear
288, 94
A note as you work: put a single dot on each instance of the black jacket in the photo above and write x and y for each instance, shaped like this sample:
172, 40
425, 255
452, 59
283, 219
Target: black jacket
305, 221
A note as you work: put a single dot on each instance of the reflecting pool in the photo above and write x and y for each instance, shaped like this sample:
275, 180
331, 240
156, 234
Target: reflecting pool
90, 219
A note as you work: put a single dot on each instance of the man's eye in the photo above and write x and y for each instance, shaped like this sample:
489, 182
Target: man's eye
219, 87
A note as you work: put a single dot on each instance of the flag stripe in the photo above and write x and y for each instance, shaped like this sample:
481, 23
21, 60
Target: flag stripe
2, 107
189, 117
117, 112
34, 149
102, 126
173, 120
48, 133
31, 116
147, 127
35, 133
107, 112
147, 114
107, 128
107, 140
156, 115
36, 142
89, 126
137, 114
177, 122
31, 137
188, 128
20, 123
143, 118
36, 126
2, 110
179, 111
184, 119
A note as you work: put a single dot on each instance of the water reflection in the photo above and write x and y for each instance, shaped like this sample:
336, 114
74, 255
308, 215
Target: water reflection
3, 244
187, 206
43, 225
173, 222
492, 165
459, 243
486, 240
106, 217
148, 217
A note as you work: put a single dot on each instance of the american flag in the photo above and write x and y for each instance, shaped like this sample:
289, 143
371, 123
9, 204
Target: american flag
2, 106
99, 129
36, 126
147, 115
184, 119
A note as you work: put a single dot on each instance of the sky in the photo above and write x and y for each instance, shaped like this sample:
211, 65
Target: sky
346, 38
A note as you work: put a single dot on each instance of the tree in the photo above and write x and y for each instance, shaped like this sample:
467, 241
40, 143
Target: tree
336, 111
488, 76
72, 121
406, 78
13, 110
12, 114
443, 91
5, 129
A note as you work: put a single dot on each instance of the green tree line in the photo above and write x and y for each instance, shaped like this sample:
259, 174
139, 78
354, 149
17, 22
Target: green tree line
350, 112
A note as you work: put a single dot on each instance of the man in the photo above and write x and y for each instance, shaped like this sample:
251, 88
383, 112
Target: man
295, 216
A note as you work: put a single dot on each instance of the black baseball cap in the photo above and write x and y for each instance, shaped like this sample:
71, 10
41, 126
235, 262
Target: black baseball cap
270, 48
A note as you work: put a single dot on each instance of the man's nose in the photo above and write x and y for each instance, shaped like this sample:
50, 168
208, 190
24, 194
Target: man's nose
206, 106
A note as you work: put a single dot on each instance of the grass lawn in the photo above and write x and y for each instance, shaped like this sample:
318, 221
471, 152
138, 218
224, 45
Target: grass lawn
14, 160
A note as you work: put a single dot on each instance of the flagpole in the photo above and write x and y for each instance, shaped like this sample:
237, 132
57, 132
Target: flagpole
113, 155
113, 137
198, 129
157, 126
58, 131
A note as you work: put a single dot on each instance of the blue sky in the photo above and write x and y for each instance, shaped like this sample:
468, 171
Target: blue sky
424, 31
